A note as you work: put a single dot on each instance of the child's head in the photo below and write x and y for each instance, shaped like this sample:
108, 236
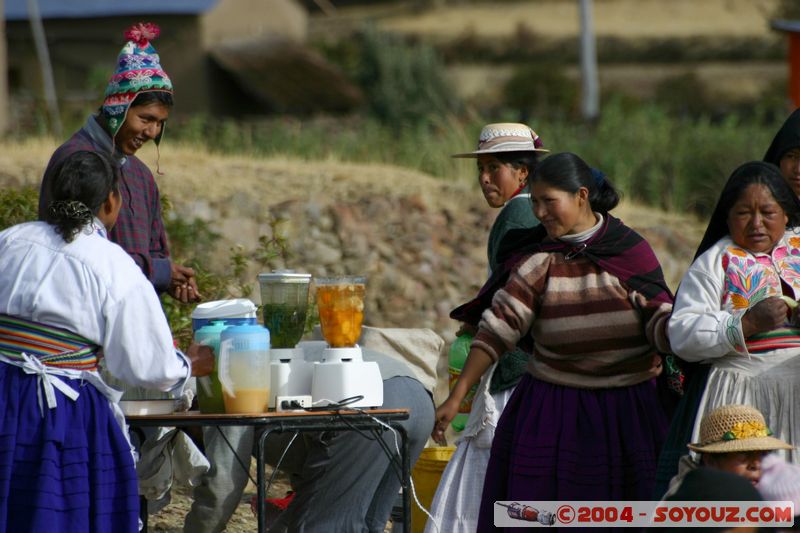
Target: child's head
735, 438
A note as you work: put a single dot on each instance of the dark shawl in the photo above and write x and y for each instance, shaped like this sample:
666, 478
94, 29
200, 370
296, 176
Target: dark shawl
615, 248
788, 137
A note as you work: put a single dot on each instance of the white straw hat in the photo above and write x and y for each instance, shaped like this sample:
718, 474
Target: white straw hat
736, 428
506, 137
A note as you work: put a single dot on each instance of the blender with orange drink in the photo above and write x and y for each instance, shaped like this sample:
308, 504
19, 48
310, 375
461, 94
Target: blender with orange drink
343, 373
340, 302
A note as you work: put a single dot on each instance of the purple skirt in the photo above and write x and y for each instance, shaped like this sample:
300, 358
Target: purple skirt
564, 443
71, 470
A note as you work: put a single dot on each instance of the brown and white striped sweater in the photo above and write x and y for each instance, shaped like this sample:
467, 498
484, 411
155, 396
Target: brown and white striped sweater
588, 330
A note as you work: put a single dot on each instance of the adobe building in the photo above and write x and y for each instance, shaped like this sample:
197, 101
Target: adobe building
200, 45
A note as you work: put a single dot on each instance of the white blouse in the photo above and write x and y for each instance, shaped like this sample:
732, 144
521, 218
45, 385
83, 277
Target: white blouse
706, 326
718, 289
94, 289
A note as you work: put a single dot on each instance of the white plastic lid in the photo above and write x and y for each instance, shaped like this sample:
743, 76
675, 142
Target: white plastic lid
284, 276
236, 308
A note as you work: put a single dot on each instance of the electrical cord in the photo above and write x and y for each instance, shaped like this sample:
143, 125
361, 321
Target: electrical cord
332, 406
280, 460
247, 470
411, 481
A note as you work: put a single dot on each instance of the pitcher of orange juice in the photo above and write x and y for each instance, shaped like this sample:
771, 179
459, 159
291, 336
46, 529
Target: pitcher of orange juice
244, 368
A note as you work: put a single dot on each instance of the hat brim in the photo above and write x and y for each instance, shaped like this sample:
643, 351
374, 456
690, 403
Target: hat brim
490, 151
754, 444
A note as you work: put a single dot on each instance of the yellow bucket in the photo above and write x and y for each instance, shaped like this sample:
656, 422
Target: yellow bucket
426, 475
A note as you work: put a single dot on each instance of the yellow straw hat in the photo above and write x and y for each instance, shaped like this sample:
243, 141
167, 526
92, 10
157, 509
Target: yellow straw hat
736, 428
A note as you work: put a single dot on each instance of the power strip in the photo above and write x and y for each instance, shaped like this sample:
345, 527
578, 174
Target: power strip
292, 403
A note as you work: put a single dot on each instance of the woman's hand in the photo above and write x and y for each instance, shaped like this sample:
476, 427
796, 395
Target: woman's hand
445, 414
202, 359
478, 361
766, 315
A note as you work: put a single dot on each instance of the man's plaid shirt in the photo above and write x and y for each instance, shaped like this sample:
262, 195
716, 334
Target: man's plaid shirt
139, 229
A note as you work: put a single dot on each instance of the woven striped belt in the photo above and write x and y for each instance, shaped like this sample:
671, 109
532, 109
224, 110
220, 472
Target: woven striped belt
776, 339
51, 346
45, 351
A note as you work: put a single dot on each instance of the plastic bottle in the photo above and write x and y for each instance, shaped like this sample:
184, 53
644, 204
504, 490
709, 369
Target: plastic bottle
458, 356
209, 390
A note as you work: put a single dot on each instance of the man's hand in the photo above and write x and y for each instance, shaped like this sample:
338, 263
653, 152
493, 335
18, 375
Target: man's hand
183, 286
202, 359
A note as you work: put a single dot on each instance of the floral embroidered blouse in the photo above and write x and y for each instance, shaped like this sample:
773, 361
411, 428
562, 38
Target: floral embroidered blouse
720, 286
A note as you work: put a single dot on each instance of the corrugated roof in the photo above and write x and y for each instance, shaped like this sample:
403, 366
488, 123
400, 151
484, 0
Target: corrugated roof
55, 9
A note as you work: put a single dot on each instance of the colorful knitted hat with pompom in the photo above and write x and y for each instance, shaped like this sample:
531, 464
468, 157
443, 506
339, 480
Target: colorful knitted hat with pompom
138, 70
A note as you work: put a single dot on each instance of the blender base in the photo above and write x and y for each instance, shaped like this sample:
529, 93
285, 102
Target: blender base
343, 374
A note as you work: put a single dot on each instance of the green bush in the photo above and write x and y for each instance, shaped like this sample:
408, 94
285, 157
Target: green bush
18, 205
683, 95
670, 161
404, 82
192, 241
541, 89
674, 163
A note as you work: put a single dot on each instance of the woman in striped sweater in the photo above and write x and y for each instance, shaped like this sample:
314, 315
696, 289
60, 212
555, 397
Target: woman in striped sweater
585, 422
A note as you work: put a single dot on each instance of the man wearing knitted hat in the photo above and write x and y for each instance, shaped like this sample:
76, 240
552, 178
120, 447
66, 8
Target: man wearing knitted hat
135, 110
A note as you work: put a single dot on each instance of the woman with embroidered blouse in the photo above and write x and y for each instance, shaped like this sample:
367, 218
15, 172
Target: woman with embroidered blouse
734, 311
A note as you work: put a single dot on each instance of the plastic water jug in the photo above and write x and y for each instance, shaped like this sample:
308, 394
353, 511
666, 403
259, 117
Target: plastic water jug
244, 368
232, 312
209, 390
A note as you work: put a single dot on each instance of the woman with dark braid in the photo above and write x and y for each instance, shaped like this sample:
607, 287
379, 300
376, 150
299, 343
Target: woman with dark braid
68, 297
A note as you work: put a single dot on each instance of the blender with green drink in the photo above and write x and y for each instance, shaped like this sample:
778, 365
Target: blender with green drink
284, 301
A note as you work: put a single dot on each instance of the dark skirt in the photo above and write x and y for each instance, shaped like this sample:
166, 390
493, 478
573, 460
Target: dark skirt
69, 470
557, 443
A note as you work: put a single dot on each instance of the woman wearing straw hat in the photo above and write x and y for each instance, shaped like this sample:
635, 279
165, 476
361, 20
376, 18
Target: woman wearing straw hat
733, 438
734, 313
506, 155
